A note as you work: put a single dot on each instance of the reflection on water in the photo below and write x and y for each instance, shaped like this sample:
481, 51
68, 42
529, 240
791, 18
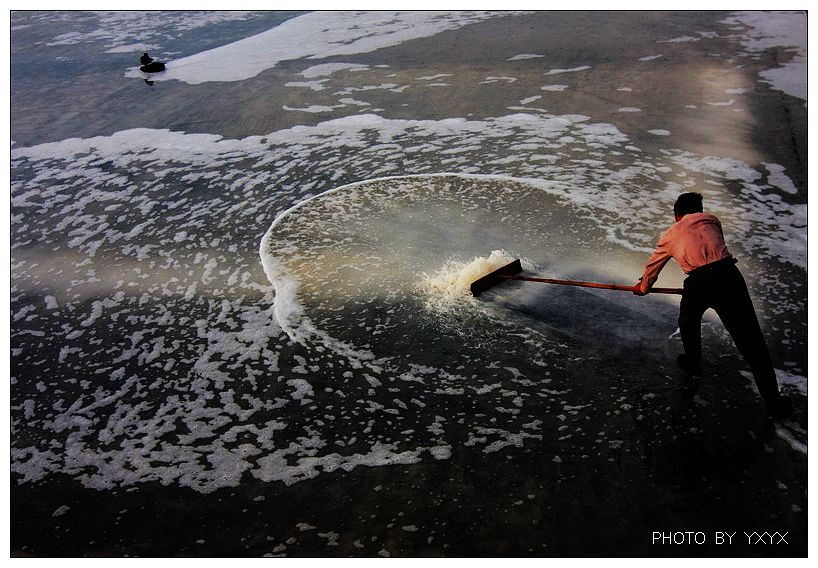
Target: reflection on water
149, 347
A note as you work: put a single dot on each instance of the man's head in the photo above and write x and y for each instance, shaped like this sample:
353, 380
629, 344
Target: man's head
687, 203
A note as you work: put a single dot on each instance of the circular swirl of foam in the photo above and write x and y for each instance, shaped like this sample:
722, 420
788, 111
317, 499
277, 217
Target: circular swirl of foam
383, 261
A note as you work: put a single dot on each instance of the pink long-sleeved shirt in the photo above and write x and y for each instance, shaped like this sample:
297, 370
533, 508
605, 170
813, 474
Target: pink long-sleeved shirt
693, 241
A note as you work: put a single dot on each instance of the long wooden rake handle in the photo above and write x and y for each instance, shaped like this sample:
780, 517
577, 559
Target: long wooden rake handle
589, 284
511, 270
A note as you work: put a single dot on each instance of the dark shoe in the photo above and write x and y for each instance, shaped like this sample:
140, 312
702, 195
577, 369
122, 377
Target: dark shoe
691, 369
781, 407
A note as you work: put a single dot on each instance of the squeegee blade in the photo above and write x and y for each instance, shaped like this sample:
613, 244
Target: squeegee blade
492, 278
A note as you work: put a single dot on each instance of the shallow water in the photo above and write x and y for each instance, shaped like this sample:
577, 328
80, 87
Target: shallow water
222, 285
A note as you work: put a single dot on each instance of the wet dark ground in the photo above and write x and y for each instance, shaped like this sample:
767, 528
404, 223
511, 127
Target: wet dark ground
694, 456
608, 506
685, 455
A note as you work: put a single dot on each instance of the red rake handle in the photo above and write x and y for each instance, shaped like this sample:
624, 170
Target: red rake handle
590, 284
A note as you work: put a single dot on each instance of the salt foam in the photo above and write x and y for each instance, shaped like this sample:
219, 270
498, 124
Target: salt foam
315, 35
452, 283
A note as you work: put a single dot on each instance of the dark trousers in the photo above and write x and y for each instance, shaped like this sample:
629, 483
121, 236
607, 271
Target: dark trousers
721, 286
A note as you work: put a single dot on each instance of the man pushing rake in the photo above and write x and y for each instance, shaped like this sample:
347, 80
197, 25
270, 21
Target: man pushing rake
696, 242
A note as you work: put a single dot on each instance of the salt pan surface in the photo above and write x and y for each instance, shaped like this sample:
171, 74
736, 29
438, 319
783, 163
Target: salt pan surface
778, 29
170, 264
154, 351
316, 35
125, 31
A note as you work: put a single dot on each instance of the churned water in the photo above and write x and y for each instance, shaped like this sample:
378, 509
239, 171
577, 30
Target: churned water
244, 282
